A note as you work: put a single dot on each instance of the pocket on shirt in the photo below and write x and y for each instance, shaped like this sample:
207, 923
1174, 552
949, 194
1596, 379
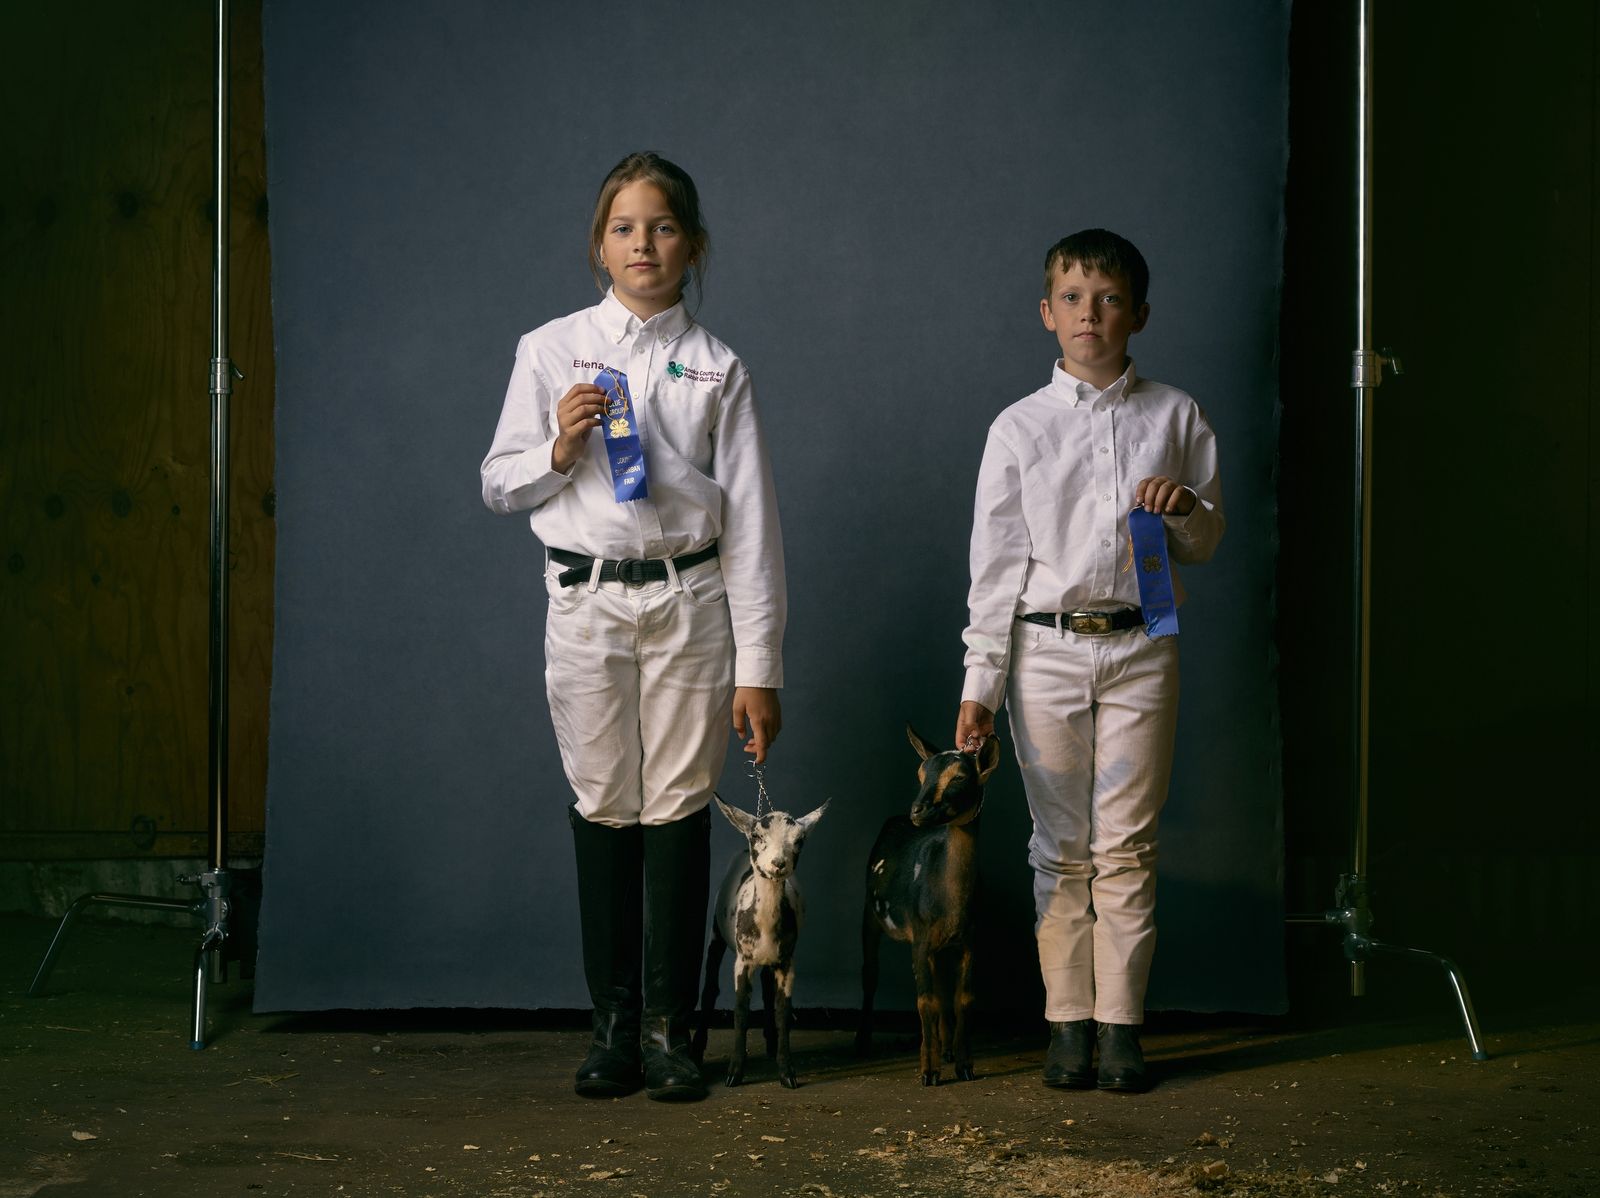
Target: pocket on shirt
685, 414
1149, 458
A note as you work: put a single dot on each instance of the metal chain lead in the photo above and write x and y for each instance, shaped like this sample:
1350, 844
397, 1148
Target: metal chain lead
763, 803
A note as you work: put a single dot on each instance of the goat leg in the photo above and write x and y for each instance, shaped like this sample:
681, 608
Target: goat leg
741, 1017
963, 1006
785, 989
943, 974
768, 1032
928, 1009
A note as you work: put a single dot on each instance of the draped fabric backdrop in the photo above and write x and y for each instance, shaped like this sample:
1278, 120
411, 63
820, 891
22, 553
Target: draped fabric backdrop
881, 182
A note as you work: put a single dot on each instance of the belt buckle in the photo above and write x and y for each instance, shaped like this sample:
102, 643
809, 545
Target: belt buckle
1088, 623
630, 571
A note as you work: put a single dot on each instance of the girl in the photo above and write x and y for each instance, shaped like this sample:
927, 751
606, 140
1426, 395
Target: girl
630, 434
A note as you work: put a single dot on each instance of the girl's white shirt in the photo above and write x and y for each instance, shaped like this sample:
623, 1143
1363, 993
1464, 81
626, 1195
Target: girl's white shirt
706, 462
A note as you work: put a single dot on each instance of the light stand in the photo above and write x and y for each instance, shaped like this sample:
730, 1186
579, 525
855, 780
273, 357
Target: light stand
214, 906
1352, 908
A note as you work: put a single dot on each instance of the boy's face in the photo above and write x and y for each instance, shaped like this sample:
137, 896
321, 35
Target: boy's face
1092, 316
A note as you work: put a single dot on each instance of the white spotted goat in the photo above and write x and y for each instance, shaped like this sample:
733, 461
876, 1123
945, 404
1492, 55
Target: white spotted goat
758, 911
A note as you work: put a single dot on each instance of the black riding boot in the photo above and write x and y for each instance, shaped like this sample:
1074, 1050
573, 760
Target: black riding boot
677, 858
611, 911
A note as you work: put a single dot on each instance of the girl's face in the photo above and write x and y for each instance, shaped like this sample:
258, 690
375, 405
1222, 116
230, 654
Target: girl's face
644, 249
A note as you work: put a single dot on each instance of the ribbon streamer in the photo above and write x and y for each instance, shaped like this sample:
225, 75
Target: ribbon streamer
620, 426
1147, 538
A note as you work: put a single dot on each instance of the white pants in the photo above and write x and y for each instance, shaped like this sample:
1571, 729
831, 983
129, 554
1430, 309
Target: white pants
1092, 719
640, 684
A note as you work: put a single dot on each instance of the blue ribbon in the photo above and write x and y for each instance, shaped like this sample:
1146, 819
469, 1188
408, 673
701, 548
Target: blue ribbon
620, 426
1147, 533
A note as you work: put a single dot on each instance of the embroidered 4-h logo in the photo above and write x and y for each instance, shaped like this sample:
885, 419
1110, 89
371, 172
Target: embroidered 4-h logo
675, 369
1151, 564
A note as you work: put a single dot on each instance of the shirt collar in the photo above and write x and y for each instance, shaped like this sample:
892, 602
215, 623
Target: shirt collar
618, 323
1072, 389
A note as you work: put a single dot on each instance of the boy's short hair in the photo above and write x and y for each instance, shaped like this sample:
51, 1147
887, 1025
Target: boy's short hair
1104, 251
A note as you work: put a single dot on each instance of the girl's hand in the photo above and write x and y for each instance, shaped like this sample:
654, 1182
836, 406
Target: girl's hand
974, 725
578, 412
1164, 496
757, 707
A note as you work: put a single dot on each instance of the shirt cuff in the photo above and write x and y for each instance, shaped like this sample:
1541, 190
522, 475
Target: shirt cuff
984, 685
757, 666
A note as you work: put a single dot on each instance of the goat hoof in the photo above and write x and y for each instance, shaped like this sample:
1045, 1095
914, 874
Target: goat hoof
964, 1073
735, 1077
931, 1078
789, 1081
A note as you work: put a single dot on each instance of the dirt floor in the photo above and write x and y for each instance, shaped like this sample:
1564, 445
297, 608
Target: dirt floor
101, 1095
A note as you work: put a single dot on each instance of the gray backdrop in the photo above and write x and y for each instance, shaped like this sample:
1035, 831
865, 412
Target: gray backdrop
881, 182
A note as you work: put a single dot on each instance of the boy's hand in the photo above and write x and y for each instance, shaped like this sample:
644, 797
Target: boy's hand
974, 724
1164, 496
757, 707
577, 412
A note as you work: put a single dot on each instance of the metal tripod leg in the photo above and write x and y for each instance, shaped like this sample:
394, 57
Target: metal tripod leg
188, 906
214, 907
1458, 984
1354, 915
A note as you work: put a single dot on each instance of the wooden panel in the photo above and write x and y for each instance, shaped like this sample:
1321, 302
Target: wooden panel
104, 490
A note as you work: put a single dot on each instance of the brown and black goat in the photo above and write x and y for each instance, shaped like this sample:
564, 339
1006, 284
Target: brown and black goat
921, 875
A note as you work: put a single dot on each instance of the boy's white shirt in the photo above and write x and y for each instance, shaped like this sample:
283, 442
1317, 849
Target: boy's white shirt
1050, 516
706, 462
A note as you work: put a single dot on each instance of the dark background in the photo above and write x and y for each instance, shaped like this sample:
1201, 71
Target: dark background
881, 184
1483, 834
1483, 830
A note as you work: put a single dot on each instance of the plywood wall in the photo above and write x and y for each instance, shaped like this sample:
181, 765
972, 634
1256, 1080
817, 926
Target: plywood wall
105, 336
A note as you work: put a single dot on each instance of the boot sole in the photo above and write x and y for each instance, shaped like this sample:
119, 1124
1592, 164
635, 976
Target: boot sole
678, 1094
600, 1088
1126, 1085
1072, 1082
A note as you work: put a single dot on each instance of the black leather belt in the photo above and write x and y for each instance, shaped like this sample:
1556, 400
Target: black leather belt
1088, 623
635, 571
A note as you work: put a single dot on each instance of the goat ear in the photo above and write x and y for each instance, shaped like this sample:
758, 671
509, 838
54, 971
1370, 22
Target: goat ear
806, 821
923, 748
988, 757
741, 820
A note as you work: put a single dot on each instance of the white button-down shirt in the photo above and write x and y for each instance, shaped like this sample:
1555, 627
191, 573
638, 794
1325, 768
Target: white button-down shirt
1050, 521
705, 462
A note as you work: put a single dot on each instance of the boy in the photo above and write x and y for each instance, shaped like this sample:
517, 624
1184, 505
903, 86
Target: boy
1054, 610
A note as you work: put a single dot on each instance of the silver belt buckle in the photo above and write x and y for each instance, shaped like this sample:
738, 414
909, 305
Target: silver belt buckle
1088, 623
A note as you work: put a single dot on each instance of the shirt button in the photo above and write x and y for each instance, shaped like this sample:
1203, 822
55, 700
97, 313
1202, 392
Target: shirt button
1106, 497
1105, 544
1103, 449
639, 349
663, 338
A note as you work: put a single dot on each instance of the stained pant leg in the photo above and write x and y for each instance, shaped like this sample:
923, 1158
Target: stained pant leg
1135, 723
1050, 698
685, 694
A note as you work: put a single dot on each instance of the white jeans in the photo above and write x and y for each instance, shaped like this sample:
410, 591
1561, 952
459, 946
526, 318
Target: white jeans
1092, 719
640, 684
